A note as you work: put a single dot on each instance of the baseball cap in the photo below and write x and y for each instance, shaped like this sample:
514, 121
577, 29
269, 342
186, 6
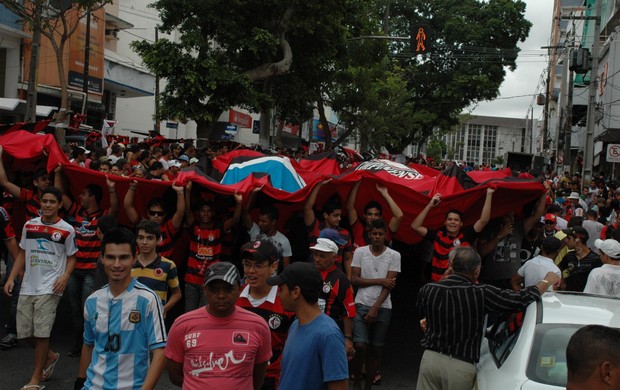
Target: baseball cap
174, 163
554, 208
333, 235
577, 231
260, 250
193, 160
222, 271
550, 217
301, 274
551, 244
610, 247
325, 245
183, 157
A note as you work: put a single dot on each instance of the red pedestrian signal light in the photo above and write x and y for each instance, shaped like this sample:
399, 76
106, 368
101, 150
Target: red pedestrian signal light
420, 38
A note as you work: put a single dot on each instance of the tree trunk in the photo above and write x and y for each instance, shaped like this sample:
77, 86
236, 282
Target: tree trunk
324, 123
204, 130
265, 128
278, 137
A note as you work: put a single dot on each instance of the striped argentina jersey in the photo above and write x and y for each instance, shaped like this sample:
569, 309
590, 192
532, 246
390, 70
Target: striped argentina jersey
123, 330
46, 248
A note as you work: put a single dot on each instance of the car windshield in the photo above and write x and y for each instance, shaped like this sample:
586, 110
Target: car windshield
547, 362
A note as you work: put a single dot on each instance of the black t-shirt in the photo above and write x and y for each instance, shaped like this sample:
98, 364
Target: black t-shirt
578, 271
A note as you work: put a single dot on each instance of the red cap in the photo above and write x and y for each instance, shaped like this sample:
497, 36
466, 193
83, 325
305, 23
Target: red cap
550, 217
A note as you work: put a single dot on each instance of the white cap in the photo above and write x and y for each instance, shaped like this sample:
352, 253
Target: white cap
193, 160
610, 247
325, 245
573, 195
174, 163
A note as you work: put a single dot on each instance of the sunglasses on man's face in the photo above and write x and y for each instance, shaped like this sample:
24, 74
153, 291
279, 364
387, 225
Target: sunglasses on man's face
549, 223
156, 213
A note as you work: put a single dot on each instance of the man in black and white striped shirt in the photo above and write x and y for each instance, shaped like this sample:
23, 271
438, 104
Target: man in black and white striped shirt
454, 309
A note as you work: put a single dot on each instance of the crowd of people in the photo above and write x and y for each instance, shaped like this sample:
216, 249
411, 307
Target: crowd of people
220, 297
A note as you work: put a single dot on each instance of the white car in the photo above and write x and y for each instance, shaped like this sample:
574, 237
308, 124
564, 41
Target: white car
528, 350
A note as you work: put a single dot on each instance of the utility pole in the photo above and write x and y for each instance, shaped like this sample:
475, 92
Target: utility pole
86, 62
33, 69
568, 124
156, 127
588, 151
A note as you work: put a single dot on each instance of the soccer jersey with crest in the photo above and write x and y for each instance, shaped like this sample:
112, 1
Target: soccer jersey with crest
46, 249
278, 320
122, 330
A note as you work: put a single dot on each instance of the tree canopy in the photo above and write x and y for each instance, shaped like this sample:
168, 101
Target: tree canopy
293, 56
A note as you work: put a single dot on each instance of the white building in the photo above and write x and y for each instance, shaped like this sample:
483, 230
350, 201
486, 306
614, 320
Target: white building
483, 138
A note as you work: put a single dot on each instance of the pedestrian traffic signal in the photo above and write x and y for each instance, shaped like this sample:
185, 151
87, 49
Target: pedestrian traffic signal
420, 38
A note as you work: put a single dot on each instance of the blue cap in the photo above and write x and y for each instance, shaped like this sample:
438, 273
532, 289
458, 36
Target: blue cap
333, 235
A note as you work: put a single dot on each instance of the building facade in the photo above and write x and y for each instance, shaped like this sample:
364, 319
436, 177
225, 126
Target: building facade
482, 139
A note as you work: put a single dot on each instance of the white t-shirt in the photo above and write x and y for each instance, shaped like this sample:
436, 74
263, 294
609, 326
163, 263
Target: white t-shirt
279, 240
561, 223
536, 269
604, 280
594, 229
374, 267
47, 247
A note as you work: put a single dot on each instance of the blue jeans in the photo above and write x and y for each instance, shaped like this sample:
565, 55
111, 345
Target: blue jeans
81, 284
194, 297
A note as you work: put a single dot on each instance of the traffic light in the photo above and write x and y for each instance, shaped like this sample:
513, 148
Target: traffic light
420, 38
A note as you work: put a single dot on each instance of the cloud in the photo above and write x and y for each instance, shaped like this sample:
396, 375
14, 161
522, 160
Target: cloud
531, 63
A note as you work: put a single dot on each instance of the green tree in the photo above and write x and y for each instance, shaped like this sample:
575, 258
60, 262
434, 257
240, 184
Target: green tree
436, 148
230, 53
57, 21
471, 44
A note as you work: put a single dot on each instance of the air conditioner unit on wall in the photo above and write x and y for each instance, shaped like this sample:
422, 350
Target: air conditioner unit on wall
111, 33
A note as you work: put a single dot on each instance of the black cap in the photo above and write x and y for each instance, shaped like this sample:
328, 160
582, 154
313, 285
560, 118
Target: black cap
222, 271
301, 274
577, 231
551, 244
260, 250
554, 208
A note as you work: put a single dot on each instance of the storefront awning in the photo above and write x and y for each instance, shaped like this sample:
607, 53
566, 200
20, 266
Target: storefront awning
611, 135
18, 106
126, 78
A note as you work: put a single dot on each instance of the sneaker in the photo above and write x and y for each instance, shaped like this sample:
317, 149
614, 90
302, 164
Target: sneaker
76, 350
9, 341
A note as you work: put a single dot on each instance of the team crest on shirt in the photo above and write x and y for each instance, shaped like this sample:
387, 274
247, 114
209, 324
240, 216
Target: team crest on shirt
211, 237
241, 338
135, 316
56, 236
274, 321
327, 287
158, 272
457, 242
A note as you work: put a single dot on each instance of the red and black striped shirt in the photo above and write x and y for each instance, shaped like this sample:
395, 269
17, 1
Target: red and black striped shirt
164, 248
205, 247
336, 299
443, 244
278, 319
86, 239
31, 201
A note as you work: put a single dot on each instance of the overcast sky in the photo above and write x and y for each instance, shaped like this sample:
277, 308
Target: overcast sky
532, 61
